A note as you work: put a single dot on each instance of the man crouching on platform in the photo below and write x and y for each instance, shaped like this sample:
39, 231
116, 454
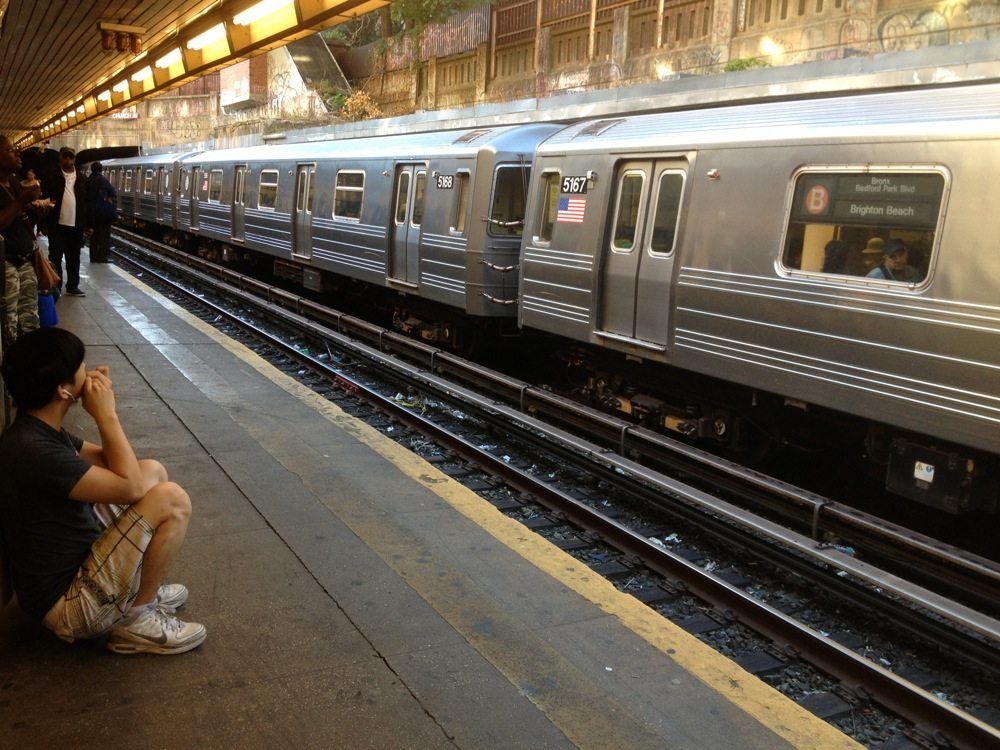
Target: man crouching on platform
79, 578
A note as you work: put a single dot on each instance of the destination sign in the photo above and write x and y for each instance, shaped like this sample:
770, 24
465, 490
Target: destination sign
897, 199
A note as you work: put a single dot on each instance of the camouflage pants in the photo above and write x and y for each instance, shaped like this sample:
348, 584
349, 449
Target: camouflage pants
21, 294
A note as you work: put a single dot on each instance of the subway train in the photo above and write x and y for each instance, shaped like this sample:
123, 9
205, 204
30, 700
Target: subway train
812, 272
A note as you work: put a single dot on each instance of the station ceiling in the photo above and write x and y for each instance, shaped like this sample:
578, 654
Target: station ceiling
55, 72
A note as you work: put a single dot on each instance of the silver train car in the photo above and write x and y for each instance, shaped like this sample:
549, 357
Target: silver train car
718, 271
745, 243
399, 212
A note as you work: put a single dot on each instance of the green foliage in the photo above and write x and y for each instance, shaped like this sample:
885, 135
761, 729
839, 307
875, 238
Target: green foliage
414, 15
332, 96
745, 63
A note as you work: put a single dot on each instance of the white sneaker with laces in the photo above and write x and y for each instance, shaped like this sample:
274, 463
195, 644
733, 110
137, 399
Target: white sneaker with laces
172, 596
156, 631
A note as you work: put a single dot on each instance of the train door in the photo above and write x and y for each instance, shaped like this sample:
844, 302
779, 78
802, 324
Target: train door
159, 186
239, 190
302, 211
408, 215
639, 253
195, 184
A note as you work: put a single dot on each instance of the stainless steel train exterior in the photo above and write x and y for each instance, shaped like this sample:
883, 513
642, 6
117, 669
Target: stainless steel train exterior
401, 212
743, 243
737, 242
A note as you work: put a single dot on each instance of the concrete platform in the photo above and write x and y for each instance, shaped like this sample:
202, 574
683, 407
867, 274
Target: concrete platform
354, 596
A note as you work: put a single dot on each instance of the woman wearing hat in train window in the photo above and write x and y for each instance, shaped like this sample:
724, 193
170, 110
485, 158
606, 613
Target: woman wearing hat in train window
895, 266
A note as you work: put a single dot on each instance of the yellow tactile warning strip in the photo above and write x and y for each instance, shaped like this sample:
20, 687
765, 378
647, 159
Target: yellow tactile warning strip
755, 698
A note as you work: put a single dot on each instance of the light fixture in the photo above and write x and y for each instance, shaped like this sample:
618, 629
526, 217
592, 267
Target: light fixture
206, 38
143, 75
123, 41
81, 109
258, 11
63, 118
121, 86
104, 96
171, 58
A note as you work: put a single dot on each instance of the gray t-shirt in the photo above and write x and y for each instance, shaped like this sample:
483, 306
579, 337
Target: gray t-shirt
46, 535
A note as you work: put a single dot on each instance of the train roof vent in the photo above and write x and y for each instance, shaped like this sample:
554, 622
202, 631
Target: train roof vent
471, 136
596, 128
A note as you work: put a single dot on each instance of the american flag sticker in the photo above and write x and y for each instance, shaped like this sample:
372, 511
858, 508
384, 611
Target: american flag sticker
571, 210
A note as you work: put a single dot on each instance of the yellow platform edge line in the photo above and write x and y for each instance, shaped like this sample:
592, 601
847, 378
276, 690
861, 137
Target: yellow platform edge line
754, 697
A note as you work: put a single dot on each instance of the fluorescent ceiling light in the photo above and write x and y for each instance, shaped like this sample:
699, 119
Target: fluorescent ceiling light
206, 38
172, 57
143, 75
258, 11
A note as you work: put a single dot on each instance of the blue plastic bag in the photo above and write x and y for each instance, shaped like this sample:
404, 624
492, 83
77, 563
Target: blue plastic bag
47, 315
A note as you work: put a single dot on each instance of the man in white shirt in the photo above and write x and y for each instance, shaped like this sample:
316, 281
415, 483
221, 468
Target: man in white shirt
66, 187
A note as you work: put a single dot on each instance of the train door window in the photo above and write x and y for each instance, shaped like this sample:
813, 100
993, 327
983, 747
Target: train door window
550, 205
510, 191
239, 185
402, 196
461, 202
879, 224
147, 183
667, 212
128, 181
268, 196
348, 195
311, 196
215, 186
300, 192
627, 211
165, 184
419, 193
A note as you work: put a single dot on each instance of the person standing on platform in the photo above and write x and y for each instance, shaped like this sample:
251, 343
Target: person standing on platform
88, 529
66, 187
101, 201
20, 285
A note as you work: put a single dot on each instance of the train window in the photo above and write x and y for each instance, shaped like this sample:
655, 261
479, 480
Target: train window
550, 205
402, 196
186, 188
668, 205
348, 194
268, 196
510, 191
128, 181
419, 192
461, 202
147, 183
215, 186
874, 224
627, 213
165, 184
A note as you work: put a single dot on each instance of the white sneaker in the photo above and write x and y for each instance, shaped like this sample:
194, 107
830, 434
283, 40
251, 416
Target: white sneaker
171, 596
156, 632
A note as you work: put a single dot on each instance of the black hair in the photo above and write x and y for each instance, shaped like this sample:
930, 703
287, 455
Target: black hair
97, 167
39, 362
835, 257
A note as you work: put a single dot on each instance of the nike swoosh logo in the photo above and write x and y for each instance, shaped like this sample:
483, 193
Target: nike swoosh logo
161, 638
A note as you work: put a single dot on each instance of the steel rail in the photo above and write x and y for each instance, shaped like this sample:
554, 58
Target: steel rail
866, 679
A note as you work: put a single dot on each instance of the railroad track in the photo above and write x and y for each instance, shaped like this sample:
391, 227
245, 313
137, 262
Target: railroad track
612, 450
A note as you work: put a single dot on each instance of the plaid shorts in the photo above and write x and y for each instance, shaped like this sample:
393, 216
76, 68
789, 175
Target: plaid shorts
106, 583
